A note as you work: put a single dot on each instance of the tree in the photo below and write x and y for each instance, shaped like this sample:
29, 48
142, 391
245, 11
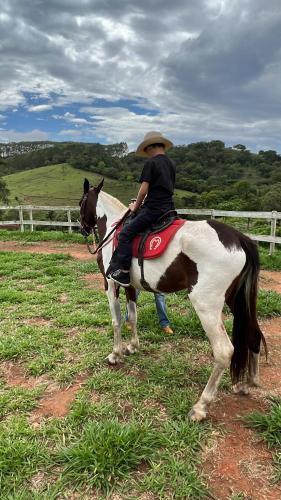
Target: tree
272, 199
4, 191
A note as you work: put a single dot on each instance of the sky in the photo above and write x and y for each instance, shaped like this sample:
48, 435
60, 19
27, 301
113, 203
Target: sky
111, 70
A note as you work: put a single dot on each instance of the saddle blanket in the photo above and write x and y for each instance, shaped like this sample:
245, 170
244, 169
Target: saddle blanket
156, 243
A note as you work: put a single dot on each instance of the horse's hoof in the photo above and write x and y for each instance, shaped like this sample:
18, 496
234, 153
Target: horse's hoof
129, 349
112, 359
197, 416
241, 388
254, 382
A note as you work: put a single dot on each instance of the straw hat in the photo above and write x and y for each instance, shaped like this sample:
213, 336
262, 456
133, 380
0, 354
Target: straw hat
152, 138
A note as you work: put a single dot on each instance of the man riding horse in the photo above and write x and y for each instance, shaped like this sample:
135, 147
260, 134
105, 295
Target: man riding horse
155, 197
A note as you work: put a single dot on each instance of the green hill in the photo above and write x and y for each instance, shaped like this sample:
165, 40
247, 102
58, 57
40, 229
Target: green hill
63, 185
60, 185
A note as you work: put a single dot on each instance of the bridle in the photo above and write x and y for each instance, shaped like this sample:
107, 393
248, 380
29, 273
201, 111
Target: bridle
86, 229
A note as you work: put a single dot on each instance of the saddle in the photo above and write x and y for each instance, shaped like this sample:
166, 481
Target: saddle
152, 243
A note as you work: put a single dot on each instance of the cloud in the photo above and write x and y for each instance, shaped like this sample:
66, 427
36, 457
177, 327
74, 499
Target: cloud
71, 134
70, 117
14, 136
39, 108
204, 68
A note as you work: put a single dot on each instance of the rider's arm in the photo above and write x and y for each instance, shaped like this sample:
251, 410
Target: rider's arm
143, 190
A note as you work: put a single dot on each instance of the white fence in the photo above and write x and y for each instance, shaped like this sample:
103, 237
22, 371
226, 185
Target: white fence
22, 221
270, 217
26, 213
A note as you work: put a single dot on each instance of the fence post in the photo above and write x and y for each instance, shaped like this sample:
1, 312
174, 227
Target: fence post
69, 220
273, 231
21, 219
31, 220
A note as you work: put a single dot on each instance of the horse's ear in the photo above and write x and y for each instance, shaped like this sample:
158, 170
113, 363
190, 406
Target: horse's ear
86, 186
99, 187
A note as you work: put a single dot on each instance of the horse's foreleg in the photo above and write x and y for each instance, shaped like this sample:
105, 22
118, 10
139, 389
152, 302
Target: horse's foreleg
222, 350
133, 346
114, 304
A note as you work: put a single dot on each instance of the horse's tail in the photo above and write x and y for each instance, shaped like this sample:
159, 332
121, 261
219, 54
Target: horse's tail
246, 333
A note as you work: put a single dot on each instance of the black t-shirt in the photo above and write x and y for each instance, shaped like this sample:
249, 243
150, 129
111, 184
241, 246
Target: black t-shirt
160, 172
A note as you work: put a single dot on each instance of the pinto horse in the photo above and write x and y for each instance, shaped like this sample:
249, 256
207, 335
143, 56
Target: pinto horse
215, 263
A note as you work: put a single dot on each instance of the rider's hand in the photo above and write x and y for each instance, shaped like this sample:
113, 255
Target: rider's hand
132, 207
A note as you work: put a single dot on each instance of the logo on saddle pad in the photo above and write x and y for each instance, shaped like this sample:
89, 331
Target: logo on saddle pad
155, 243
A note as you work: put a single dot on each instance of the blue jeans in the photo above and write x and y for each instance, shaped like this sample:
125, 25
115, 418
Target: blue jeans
160, 307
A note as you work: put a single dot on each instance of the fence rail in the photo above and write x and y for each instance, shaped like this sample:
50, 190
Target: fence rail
21, 222
30, 221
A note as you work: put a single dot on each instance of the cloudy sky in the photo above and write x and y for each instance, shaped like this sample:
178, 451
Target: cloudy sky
111, 70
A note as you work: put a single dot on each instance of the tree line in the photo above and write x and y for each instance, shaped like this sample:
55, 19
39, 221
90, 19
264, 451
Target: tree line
210, 174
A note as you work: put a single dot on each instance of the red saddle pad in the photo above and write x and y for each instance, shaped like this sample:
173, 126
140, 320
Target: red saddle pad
156, 243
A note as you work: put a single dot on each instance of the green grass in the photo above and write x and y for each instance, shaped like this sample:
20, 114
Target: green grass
269, 426
127, 428
270, 262
23, 452
108, 452
35, 236
60, 185
269, 303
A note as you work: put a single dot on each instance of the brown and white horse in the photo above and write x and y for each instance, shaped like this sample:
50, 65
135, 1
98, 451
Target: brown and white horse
215, 263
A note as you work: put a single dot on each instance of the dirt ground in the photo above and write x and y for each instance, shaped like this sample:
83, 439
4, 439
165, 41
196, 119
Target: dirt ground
76, 250
236, 460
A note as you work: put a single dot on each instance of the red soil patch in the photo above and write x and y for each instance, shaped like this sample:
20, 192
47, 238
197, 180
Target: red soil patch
57, 402
15, 375
37, 321
94, 281
271, 370
240, 461
270, 280
76, 250
63, 298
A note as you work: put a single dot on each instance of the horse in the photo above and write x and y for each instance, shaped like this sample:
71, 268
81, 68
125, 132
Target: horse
215, 263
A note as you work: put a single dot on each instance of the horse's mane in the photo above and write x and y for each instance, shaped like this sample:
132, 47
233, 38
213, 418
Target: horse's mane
114, 202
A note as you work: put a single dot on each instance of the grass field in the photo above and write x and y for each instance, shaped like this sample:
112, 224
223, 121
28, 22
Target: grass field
60, 184
63, 185
126, 432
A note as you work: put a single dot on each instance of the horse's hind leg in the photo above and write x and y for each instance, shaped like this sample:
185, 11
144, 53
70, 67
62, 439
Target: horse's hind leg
210, 314
114, 304
251, 379
253, 370
133, 346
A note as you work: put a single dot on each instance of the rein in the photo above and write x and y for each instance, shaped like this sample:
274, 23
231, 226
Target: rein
96, 236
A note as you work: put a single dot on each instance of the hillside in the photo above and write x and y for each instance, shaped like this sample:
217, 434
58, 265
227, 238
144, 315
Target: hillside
63, 185
59, 185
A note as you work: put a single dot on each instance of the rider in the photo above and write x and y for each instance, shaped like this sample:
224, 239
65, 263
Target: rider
156, 191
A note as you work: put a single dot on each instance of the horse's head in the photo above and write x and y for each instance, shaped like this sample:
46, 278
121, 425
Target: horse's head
88, 207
